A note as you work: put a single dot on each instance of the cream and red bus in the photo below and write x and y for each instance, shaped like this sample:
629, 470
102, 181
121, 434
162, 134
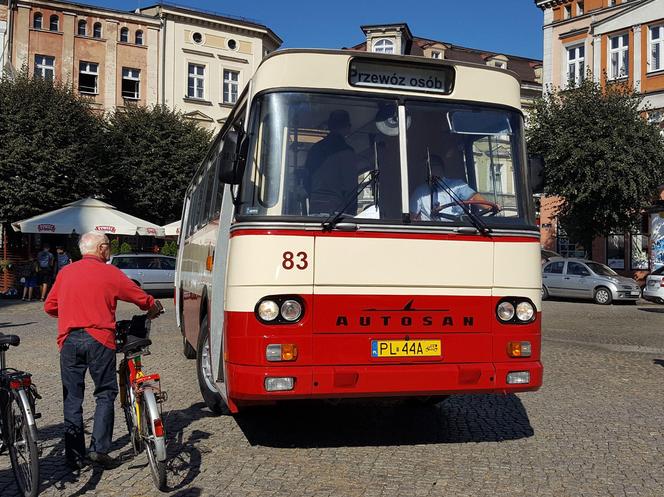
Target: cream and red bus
363, 226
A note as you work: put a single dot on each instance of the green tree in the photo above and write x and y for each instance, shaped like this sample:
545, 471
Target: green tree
601, 156
152, 154
49, 147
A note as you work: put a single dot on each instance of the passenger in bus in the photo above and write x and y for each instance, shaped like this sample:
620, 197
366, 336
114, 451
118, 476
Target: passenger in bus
422, 196
332, 167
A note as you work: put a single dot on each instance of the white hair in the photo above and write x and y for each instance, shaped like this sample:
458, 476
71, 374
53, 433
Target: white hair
90, 241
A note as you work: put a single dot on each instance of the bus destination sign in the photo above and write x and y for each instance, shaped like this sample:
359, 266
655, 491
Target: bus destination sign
393, 75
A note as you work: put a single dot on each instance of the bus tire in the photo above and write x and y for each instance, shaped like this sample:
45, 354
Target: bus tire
211, 396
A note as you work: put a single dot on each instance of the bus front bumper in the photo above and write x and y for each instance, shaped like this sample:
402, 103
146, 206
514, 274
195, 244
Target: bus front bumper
248, 383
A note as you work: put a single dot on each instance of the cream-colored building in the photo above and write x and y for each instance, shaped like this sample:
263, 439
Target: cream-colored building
207, 59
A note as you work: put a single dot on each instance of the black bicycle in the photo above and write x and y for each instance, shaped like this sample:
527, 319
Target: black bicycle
17, 421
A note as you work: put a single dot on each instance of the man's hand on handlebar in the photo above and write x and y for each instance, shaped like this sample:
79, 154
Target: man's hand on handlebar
155, 310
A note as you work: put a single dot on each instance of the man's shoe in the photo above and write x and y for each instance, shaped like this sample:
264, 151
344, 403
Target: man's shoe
104, 460
75, 464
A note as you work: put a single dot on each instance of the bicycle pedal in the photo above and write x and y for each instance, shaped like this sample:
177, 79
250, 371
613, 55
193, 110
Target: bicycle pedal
161, 397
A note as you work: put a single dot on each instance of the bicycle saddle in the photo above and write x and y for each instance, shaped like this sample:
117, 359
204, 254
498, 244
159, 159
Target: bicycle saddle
134, 343
9, 339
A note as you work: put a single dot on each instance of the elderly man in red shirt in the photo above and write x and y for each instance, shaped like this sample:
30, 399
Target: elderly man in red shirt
84, 299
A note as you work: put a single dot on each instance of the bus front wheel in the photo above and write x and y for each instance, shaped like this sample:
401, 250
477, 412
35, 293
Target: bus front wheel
211, 395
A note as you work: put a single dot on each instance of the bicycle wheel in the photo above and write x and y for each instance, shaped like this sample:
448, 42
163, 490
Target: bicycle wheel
22, 443
155, 446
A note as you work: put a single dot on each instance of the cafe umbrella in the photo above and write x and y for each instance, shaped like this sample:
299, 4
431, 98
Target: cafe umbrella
85, 215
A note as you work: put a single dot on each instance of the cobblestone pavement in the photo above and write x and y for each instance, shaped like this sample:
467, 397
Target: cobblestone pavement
594, 429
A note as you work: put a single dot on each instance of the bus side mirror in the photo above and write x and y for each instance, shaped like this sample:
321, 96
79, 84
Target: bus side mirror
233, 156
536, 168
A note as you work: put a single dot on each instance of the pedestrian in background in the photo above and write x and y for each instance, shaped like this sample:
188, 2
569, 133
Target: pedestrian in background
84, 298
61, 259
46, 264
30, 282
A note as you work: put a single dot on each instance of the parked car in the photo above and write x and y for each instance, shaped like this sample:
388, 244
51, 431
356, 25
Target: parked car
654, 289
547, 255
585, 279
149, 271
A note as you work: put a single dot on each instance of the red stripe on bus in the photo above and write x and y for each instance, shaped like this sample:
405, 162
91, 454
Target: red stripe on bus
373, 234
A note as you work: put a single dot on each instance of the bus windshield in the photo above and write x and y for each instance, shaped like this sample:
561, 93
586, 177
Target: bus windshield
314, 155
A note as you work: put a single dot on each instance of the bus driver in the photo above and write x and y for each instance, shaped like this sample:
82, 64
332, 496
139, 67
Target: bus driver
420, 200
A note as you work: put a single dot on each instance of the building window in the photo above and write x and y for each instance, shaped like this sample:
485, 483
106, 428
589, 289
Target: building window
139, 37
435, 54
384, 46
82, 28
575, 65
88, 75
656, 61
615, 251
37, 21
579, 8
96, 30
45, 67
639, 254
232, 44
567, 11
124, 35
619, 56
568, 249
54, 24
231, 79
131, 82
197, 37
196, 81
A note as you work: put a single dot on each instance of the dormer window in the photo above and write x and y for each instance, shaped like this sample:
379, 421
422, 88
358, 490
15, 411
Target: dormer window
383, 45
435, 54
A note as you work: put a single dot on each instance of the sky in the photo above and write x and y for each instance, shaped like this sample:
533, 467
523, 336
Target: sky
512, 27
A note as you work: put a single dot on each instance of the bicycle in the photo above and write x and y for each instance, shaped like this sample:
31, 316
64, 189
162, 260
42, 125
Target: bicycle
17, 421
141, 396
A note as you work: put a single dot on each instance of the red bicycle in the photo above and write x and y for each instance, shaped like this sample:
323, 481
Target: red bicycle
141, 396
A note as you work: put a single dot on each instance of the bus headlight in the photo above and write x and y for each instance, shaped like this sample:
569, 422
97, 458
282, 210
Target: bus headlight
268, 310
505, 311
291, 310
524, 311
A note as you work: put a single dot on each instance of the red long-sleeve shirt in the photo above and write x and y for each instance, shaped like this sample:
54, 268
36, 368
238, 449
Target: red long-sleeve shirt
85, 295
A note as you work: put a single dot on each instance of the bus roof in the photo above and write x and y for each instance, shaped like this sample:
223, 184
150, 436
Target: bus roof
329, 70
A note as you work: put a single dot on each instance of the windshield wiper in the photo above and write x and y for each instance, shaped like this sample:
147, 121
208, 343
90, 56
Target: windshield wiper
334, 218
473, 218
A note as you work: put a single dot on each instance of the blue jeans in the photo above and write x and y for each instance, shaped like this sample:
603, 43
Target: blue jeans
80, 352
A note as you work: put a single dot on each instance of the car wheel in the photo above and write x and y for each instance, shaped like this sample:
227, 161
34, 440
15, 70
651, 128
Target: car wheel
545, 293
603, 296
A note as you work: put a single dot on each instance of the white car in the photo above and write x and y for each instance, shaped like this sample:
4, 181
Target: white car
149, 271
654, 289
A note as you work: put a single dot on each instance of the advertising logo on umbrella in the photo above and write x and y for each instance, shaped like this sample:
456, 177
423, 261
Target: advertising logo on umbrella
106, 229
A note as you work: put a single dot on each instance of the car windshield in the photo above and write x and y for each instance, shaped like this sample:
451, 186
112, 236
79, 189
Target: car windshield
658, 272
315, 155
601, 269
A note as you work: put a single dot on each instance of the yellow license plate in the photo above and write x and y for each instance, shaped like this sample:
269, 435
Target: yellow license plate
405, 348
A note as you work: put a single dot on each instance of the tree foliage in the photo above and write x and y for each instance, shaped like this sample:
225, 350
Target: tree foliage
151, 156
602, 158
49, 147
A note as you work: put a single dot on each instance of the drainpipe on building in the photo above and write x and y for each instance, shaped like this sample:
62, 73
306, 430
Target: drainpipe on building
10, 35
163, 56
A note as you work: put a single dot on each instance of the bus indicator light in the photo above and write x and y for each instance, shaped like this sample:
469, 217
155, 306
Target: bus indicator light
519, 349
276, 352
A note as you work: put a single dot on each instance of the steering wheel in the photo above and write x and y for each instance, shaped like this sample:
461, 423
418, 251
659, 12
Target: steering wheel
491, 207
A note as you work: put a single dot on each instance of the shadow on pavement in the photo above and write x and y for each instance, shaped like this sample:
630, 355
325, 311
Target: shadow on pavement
459, 419
659, 362
184, 455
9, 324
183, 465
659, 310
